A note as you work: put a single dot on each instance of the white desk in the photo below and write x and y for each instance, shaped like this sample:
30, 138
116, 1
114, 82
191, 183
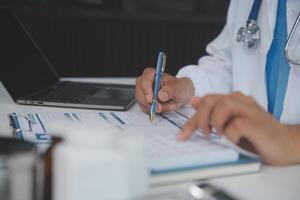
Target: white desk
271, 183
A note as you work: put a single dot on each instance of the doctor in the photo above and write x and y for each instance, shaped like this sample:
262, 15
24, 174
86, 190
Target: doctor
246, 89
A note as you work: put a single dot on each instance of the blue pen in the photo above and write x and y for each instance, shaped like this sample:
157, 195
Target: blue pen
160, 68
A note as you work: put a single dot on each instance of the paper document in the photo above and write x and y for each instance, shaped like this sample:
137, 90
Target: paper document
163, 150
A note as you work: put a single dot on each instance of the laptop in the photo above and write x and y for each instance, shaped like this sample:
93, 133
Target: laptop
29, 77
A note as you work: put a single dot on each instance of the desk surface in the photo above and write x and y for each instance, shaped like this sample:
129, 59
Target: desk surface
271, 183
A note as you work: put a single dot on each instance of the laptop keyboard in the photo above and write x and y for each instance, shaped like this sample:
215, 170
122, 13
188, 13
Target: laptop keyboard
67, 92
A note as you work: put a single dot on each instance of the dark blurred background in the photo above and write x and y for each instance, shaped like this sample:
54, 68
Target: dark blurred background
109, 38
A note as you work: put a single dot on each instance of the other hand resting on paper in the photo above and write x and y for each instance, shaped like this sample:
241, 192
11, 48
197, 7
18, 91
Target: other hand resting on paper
174, 92
241, 119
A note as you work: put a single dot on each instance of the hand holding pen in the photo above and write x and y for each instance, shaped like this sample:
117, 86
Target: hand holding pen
160, 68
173, 93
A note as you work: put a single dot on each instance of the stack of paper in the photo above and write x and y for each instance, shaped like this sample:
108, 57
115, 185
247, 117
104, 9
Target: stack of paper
166, 155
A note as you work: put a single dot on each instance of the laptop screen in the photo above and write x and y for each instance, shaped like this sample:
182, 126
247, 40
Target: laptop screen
23, 68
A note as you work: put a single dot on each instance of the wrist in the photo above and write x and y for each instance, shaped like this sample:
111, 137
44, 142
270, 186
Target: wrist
293, 135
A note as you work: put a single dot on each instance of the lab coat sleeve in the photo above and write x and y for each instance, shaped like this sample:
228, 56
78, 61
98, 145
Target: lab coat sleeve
213, 74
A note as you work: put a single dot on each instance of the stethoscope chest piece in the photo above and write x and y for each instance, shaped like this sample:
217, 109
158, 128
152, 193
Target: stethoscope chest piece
249, 34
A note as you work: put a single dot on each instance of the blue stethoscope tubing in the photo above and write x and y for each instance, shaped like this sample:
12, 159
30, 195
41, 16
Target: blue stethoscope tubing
254, 10
250, 34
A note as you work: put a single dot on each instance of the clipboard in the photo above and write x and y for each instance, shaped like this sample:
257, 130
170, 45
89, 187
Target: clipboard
34, 127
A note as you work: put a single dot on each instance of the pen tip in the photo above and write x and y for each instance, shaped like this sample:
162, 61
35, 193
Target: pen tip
152, 115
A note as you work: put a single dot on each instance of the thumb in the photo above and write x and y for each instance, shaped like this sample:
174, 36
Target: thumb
167, 92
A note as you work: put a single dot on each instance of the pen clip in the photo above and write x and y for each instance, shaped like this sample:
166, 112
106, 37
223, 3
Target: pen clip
164, 60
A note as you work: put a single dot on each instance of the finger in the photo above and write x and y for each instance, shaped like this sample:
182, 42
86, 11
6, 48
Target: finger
223, 112
166, 78
159, 108
139, 95
188, 129
234, 130
144, 83
244, 103
169, 106
234, 105
167, 92
204, 110
200, 119
144, 108
147, 89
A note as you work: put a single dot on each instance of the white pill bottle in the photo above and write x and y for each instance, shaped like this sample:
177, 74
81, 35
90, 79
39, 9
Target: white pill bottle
99, 163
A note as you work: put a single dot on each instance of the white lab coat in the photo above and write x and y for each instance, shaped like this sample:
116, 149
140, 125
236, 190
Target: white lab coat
231, 66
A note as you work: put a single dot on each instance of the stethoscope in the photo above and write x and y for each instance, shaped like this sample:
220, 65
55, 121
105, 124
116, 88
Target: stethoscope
250, 34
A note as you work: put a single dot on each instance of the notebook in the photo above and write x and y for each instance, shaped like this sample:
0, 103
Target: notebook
169, 160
